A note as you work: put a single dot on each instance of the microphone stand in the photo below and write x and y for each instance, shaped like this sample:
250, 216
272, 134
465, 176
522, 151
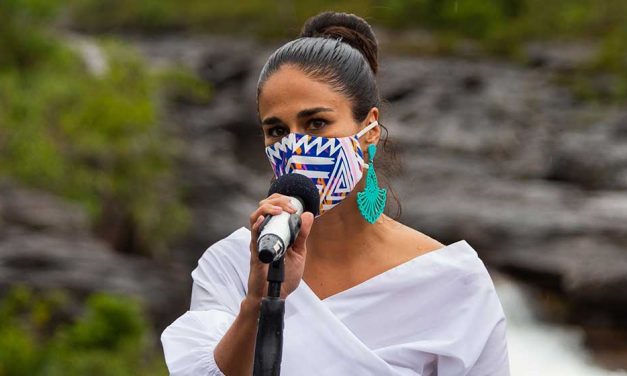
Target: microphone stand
269, 342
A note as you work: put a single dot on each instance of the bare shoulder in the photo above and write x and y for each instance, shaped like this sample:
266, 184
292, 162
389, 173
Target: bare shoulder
411, 241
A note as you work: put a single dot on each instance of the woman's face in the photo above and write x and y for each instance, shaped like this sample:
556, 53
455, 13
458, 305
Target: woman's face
292, 102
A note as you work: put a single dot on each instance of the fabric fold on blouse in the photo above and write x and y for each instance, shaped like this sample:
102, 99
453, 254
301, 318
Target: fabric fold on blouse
436, 314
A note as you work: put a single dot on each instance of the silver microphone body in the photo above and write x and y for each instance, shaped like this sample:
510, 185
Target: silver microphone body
278, 233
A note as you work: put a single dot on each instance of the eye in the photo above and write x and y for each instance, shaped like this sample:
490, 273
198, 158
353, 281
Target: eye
276, 132
317, 124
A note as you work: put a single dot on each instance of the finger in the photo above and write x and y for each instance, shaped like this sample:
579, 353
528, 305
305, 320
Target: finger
282, 201
299, 245
255, 226
274, 195
254, 257
265, 209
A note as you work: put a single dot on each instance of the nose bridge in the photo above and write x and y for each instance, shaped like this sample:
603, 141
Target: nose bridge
295, 127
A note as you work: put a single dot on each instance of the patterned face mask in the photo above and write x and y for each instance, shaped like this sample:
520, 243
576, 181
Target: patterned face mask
334, 164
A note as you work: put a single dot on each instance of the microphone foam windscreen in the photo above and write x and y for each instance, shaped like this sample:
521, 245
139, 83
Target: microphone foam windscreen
297, 185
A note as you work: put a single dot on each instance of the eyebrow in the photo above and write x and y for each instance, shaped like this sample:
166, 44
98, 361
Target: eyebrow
301, 114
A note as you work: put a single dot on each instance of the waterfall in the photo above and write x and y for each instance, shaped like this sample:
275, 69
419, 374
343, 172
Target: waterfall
538, 348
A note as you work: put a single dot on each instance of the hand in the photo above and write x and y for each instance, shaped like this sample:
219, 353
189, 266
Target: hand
294, 257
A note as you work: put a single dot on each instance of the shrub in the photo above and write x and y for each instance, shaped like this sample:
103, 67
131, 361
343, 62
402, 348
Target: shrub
93, 138
110, 337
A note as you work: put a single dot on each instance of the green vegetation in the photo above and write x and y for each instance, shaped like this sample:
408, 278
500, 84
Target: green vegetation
493, 21
281, 18
93, 137
182, 85
96, 135
110, 337
96, 138
500, 27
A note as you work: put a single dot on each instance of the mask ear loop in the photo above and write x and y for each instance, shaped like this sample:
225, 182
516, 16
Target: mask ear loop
367, 128
363, 131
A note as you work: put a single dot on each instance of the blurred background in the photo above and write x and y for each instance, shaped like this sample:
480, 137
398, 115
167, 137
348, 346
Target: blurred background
129, 143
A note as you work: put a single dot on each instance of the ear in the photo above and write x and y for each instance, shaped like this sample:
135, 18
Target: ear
373, 135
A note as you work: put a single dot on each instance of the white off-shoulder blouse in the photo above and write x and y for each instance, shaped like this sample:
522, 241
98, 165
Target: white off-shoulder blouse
436, 314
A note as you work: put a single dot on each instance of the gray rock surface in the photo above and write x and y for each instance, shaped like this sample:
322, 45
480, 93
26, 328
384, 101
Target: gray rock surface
493, 153
46, 243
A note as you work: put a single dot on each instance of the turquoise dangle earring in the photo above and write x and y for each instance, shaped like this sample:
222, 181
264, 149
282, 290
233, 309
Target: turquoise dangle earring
371, 201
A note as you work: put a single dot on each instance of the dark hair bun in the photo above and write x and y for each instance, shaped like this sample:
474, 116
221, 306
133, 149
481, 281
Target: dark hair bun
353, 30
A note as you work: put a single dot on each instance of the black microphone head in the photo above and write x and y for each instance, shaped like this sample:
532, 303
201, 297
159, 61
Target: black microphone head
297, 185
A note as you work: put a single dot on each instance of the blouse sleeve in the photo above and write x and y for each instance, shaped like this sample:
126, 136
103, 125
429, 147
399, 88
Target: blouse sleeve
478, 344
494, 359
217, 291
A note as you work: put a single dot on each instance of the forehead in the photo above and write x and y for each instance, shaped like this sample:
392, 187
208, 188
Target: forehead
290, 90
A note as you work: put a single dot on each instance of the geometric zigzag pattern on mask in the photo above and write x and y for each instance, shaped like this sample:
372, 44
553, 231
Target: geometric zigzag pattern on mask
334, 165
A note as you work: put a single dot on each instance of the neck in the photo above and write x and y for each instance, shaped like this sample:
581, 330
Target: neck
342, 234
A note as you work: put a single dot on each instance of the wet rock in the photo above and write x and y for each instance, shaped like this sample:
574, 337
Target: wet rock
493, 153
559, 56
594, 157
46, 243
39, 210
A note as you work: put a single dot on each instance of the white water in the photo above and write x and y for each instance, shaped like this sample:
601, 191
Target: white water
537, 348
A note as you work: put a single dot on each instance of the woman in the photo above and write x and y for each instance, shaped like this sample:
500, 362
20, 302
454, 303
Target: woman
365, 294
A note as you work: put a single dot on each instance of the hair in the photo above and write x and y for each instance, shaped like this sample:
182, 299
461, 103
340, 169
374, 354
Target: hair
341, 50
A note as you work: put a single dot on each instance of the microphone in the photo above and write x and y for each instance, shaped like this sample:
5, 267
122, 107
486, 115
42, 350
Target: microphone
278, 232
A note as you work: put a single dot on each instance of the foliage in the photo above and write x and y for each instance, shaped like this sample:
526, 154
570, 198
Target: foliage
97, 139
93, 138
520, 19
184, 86
25, 49
279, 18
500, 26
110, 337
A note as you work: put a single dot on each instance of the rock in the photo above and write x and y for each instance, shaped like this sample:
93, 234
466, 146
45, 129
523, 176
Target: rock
46, 243
91, 53
223, 170
40, 211
594, 157
493, 153
560, 56
501, 142
488, 110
